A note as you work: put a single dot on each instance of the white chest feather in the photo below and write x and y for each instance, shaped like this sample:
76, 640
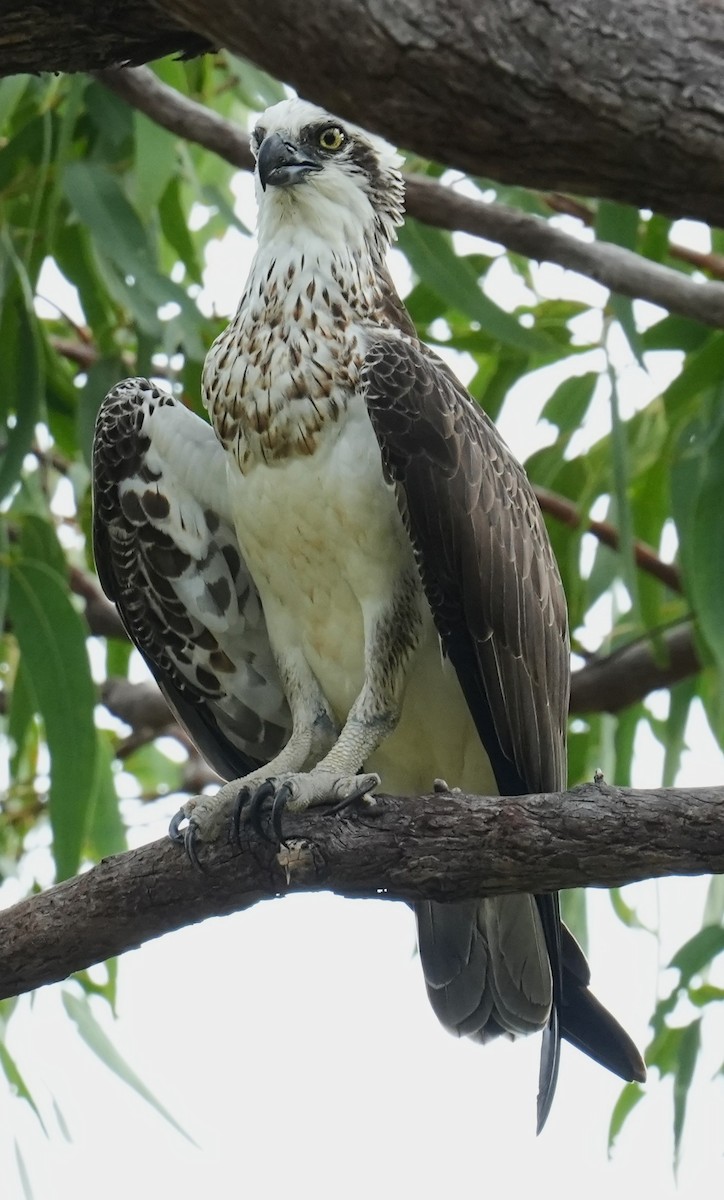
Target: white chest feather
325, 543
291, 357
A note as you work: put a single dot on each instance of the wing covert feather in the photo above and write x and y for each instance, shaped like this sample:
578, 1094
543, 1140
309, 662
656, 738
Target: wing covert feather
167, 556
484, 557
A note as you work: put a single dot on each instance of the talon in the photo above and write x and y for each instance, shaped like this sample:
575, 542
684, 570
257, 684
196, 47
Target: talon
175, 832
279, 804
357, 794
263, 793
241, 799
189, 838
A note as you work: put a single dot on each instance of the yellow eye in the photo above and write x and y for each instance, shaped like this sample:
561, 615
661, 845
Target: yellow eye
332, 138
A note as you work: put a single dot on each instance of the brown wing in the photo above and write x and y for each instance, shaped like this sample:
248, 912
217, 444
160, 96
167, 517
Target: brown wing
167, 555
484, 557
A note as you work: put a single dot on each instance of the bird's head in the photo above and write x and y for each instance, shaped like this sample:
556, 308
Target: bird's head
316, 171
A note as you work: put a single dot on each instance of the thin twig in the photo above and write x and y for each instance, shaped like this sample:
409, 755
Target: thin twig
645, 556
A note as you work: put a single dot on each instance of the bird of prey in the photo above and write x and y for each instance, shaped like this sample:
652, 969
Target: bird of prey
345, 576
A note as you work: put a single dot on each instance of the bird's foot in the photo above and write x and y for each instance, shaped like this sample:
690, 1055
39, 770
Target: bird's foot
296, 792
203, 820
206, 819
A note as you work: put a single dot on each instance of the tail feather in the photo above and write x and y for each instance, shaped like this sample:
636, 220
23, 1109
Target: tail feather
550, 1057
488, 974
586, 1024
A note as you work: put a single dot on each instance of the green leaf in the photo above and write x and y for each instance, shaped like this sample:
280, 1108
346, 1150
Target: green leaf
714, 903
17, 1083
434, 261
155, 163
106, 831
625, 912
675, 333
23, 705
51, 637
697, 486
4, 575
570, 402
154, 770
621, 479
627, 1101
79, 1011
706, 994
698, 952
23, 1173
175, 228
619, 223
22, 380
100, 204
674, 739
686, 1063
257, 89
702, 370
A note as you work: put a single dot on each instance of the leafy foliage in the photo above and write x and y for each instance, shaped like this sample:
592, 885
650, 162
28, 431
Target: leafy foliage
105, 224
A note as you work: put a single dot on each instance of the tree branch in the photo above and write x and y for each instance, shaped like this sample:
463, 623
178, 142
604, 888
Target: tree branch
434, 204
646, 558
705, 261
626, 676
619, 100
441, 847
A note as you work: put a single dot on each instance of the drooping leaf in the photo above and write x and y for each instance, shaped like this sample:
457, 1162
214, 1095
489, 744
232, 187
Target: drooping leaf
106, 831
698, 952
52, 643
697, 486
17, 1083
630, 1096
619, 223
431, 255
683, 1076
23, 1173
79, 1011
625, 912
22, 379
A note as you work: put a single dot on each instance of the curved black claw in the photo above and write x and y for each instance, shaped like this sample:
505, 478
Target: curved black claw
264, 792
241, 799
190, 846
279, 804
354, 798
175, 832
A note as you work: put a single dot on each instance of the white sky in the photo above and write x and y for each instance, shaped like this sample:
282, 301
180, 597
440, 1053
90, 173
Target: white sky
295, 1044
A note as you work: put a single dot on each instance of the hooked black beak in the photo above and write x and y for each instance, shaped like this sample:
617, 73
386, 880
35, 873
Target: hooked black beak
281, 164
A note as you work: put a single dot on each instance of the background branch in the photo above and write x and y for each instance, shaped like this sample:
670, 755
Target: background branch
442, 847
431, 202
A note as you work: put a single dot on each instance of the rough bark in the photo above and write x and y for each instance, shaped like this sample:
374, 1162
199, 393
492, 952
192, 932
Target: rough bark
79, 35
441, 847
620, 100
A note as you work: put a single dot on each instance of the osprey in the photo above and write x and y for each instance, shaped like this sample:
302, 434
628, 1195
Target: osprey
345, 576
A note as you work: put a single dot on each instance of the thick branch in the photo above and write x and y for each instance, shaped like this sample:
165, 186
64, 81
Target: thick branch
441, 847
434, 204
620, 100
624, 677
48, 36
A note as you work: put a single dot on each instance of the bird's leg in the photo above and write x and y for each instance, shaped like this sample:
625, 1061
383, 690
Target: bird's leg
206, 818
392, 633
